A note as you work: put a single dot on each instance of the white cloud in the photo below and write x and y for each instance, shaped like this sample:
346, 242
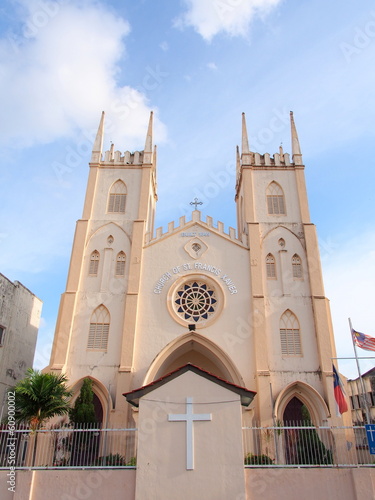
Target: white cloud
62, 69
164, 46
210, 17
212, 66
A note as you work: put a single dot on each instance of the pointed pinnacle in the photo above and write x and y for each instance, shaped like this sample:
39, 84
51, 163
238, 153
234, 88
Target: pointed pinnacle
98, 144
245, 140
148, 144
296, 150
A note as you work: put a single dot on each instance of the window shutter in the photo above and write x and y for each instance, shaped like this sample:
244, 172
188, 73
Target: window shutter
98, 336
111, 202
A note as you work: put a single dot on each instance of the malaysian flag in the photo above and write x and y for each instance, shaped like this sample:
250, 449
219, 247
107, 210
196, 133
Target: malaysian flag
363, 341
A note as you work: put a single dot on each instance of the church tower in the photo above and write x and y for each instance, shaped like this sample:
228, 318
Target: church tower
98, 311
293, 337
246, 306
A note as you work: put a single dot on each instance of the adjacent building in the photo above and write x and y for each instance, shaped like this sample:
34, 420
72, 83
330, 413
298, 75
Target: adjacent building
20, 312
361, 392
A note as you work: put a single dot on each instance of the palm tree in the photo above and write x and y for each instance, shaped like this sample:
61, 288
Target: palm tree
39, 397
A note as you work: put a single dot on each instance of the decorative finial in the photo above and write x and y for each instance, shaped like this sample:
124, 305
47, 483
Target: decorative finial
196, 202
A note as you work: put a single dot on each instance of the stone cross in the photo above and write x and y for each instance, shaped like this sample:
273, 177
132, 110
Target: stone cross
189, 417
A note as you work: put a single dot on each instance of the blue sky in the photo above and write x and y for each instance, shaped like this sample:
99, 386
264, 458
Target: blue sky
198, 64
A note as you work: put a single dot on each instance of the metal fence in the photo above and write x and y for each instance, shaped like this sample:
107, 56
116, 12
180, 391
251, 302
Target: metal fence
306, 446
279, 446
67, 448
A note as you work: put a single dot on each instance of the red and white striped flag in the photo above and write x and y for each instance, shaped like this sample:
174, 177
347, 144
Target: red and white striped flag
363, 341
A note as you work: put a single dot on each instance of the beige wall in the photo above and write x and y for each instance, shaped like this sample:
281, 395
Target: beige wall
94, 484
162, 469
261, 484
157, 326
310, 484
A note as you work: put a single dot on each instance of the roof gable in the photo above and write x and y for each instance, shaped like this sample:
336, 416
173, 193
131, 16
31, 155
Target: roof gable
134, 396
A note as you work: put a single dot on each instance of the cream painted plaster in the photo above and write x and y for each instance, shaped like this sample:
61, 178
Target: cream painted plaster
217, 443
261, 484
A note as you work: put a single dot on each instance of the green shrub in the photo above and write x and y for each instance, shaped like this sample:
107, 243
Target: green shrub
251, 459
111, 460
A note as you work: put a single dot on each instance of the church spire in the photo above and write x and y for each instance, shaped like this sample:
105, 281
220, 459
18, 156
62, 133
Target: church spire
245, 140
148, 145
147, 153
98, 144
296, 150
245, 151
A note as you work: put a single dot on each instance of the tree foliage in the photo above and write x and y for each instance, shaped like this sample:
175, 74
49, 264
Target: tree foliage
310, 449
85, 444
41, 396
83, 411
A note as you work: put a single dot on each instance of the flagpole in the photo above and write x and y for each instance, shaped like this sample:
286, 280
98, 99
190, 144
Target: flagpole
368, 418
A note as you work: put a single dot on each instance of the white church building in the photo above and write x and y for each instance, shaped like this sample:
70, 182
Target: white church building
247, 306
193, 333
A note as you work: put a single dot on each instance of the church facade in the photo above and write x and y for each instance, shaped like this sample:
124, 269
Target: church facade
246, 305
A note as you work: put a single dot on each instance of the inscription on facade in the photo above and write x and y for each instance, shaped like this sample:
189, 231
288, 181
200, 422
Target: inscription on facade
195, 266
194, 234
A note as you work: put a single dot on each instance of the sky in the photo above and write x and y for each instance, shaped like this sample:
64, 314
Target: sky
198, 64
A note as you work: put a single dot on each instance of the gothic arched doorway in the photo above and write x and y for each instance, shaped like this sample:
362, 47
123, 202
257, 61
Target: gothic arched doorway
292, 417
302, 441
293, 412
98, 410
199, 351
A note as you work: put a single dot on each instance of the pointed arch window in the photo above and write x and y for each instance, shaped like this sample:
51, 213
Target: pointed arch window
290, 334
275, 199
297, 267
117, 198
120, 264
270, 267
94, 263
99, 329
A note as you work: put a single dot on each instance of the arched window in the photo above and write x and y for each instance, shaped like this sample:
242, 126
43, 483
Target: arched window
117, 198
270, 266
275, 199
120, 264
94, 263
99, 329
290, 334
297, 266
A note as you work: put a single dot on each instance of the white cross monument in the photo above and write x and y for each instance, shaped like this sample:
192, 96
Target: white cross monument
189, 417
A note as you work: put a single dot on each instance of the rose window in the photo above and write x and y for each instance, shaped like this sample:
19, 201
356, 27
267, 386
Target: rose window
195, 301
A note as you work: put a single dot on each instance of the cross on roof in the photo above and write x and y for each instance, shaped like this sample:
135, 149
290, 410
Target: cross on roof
196, 202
